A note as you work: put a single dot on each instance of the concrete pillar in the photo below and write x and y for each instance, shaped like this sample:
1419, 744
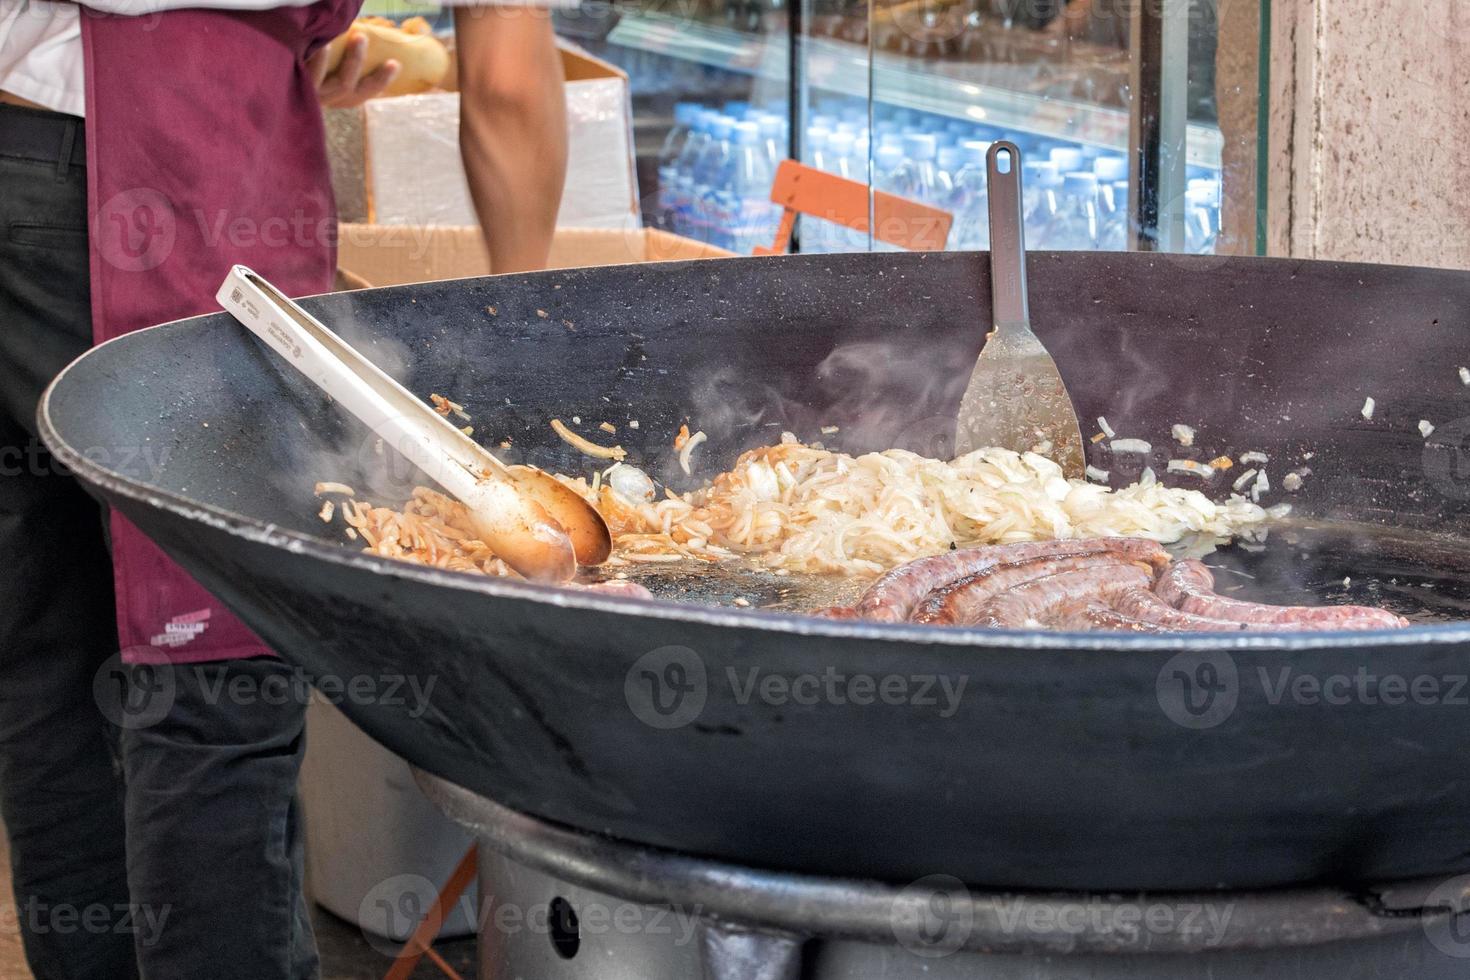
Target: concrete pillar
1369, 155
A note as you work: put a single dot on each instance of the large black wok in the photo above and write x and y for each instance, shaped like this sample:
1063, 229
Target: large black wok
1071, 761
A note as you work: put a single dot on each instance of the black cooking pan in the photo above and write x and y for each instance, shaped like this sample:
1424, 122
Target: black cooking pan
1068, 761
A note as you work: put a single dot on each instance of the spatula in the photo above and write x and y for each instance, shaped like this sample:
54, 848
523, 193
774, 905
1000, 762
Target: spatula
534, 523
1016, 398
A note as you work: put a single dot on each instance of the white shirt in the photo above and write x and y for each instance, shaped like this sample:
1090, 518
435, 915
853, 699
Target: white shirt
41, 41
41, 44
41, 53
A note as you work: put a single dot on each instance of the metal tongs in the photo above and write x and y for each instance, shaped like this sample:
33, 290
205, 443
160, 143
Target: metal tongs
534, 523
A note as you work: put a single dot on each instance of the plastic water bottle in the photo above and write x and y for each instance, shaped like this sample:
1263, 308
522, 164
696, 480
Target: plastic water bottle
1042, 188
1109, 168
1209, 188
668, 163
887, 163
773, 136
970, 199
716, 211
1067, 158
831, 152
838, 156
1202, 219
708, 223
1112, 229
843, 160
948, 161
919, 178
1042, 221
860, 149
753, 217
689, 154
816, 141
888, 176
1076, 224
684, 116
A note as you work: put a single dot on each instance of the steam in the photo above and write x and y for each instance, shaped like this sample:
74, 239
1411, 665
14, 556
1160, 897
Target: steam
329, 443
883, 396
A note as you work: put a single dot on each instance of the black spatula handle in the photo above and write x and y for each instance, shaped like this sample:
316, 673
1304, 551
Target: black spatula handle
1007, 237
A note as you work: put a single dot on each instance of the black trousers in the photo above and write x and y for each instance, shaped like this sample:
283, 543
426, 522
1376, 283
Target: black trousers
152, 813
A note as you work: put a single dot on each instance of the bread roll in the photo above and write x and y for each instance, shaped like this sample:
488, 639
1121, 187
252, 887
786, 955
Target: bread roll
422, 58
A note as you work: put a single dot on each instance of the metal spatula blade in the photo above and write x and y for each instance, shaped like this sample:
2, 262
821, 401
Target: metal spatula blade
1016, 398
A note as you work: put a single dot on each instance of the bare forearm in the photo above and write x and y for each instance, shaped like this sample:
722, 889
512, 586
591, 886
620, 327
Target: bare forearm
513, 131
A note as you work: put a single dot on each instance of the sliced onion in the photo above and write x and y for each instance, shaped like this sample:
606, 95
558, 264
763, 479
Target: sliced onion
341, 488
1202, 470
688, 449
589, 448
631, 482
1131, 446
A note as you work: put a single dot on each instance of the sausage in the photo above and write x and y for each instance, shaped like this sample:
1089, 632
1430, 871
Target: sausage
958, 602
1147, 606
838, 612
1083, 584
1183, 579
619, 586
1090, 614
1189, 586
1143, 605
1024, 605
894, 597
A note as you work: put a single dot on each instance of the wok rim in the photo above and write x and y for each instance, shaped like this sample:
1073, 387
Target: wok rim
260, 532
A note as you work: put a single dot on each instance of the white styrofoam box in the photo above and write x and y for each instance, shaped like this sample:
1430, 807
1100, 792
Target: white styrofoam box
377, 851
396, 161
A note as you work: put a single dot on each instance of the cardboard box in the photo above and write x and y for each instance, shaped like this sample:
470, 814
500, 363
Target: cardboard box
392, 255
396, 161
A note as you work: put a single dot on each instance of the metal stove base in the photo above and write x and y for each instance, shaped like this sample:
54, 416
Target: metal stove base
558, 904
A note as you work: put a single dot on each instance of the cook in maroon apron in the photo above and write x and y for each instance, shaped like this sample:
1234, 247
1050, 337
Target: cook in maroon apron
204, 149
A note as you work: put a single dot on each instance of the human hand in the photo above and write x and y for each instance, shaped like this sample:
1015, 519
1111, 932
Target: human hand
345, 86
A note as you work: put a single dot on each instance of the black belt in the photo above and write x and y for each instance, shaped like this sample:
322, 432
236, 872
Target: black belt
42, 136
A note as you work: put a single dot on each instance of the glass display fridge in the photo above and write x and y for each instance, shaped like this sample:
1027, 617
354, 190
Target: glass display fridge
1140, 121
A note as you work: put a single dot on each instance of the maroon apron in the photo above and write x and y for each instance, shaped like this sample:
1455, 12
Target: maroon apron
204, 149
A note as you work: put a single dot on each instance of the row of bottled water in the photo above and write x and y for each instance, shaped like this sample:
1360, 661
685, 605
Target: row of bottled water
714, 175
716, 167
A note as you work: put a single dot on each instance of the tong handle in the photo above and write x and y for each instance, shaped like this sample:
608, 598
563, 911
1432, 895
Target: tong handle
427, 439
1007, 236
534, 523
